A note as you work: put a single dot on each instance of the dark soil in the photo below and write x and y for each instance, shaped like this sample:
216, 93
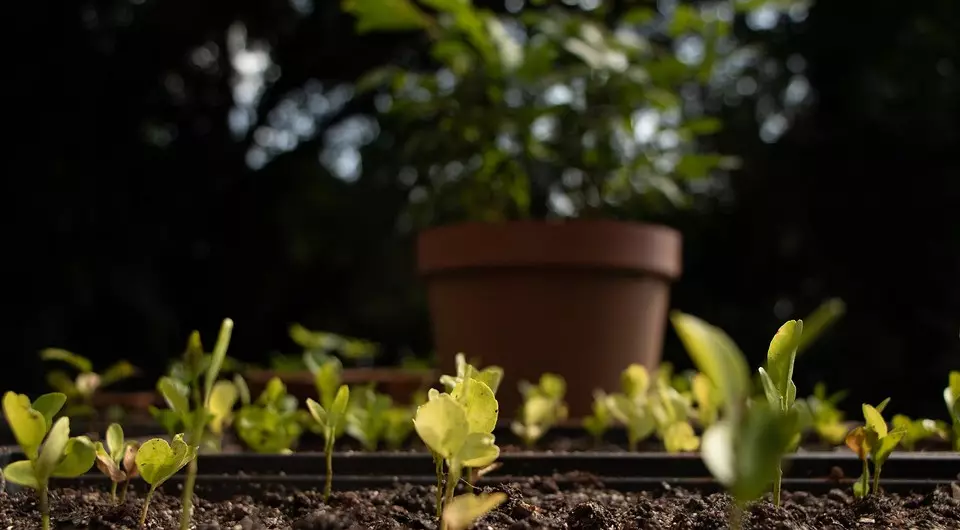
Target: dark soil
535, 504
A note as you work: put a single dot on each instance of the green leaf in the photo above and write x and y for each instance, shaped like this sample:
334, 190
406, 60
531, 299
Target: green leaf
115, 441
220, 404
717, 451
158, 460
242, 389
385, 15
635, 381
107, 465
117, 372
81, 363
760, 444
52, 450
887, 444
339, 408
61, 382
716, 355
49, 405
28, 424
78, 457
479, 403
782, 353
327, 380
216, 361
175, 393
883, 404
874, 421
478, 450
442, 425
491, 376
820, 320
461, 512
318, 412
770, 390
21, 472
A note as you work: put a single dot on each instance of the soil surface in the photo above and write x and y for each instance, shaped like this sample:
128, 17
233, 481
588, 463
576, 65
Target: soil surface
534, 504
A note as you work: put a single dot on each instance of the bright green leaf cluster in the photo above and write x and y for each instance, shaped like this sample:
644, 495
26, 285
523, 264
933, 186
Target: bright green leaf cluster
273, 423
873, 441
330, 421
80, 389
117, 460
373, 418
158, 460
543, 407
600, 419
490, 375
826, 419
631, 406
918, 430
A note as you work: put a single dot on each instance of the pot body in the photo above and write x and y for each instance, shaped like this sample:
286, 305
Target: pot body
583, 299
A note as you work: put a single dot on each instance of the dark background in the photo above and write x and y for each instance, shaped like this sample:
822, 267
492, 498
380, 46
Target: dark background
133, 216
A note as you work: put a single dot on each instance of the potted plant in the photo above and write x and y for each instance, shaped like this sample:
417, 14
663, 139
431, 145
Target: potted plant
538, 147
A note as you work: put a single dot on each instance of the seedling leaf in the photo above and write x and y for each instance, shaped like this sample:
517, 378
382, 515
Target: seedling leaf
479, 403
115, 447
108, 466
49, 405
53, 448
28, 424
318, 412
442, 425
716, 355
216, 359
223, 397
465, 509
635, 381
883, 404
717, 451
77, 458
856, 440
82, 364
770, 390
175, 393
875, 421
478, 450
158, 460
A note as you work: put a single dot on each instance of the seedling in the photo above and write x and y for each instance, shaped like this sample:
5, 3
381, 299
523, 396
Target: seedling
329, 420
458, 428
327, 376
951, 396
58, 456
272, 424
117, 460
81, 388
158, 460
708, 400
490, 376
743, 449
779, 388
320, 344
631, 407
543, 407
875, 442
915, 431
399, 420
464, 510
827, 419
671, 412
203, 411
600, 420
366, 419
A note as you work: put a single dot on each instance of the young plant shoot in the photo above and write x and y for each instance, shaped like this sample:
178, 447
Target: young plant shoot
464, 510
599, 421
271, 424
158, 460
117, 460
543, 407
631, 407
457, 427
330, 420
50, 450
671, 412
875, 442
826, 417
707, 398
366, 419
399, 420
916, 431
779, 388
744, 447
951, 396
490, 376
81, 388
203, 411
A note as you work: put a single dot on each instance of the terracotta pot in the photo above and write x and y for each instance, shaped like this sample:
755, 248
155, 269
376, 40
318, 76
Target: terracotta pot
583, 299
397, 383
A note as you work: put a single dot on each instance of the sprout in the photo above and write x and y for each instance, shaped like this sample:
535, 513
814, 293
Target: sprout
631, 407
80, 389
372, 417
117, 460
951, 396
399, 420
330, 419
272, 424
779, 388
465, 509
707, 398
743, 449
671, 411
599, 421
457, 427
872, 440
543, 407
322, 343
327, 375
203, 411
158, 460
490, 376
826, 418
58, 456
915, 431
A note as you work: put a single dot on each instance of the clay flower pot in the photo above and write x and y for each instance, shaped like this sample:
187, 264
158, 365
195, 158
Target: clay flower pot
580, 298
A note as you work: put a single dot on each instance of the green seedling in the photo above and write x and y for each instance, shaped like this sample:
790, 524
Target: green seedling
457, 427
322, 343
490, 376
951, 396
50, 450
671, 413
464, 510
158, 460
543, 408
744, 448
329, 420
204, 411
366, 419
399, 421
916, 431
81, 388
600, 420
819, 321
272, 424
631, 406
327, 377
707, 398
872, 441
827, 420
117, 460
779, 388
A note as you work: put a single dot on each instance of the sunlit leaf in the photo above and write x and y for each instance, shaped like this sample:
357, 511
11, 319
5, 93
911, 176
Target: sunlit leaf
465, 509
28, 424
21, 472
79, 362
